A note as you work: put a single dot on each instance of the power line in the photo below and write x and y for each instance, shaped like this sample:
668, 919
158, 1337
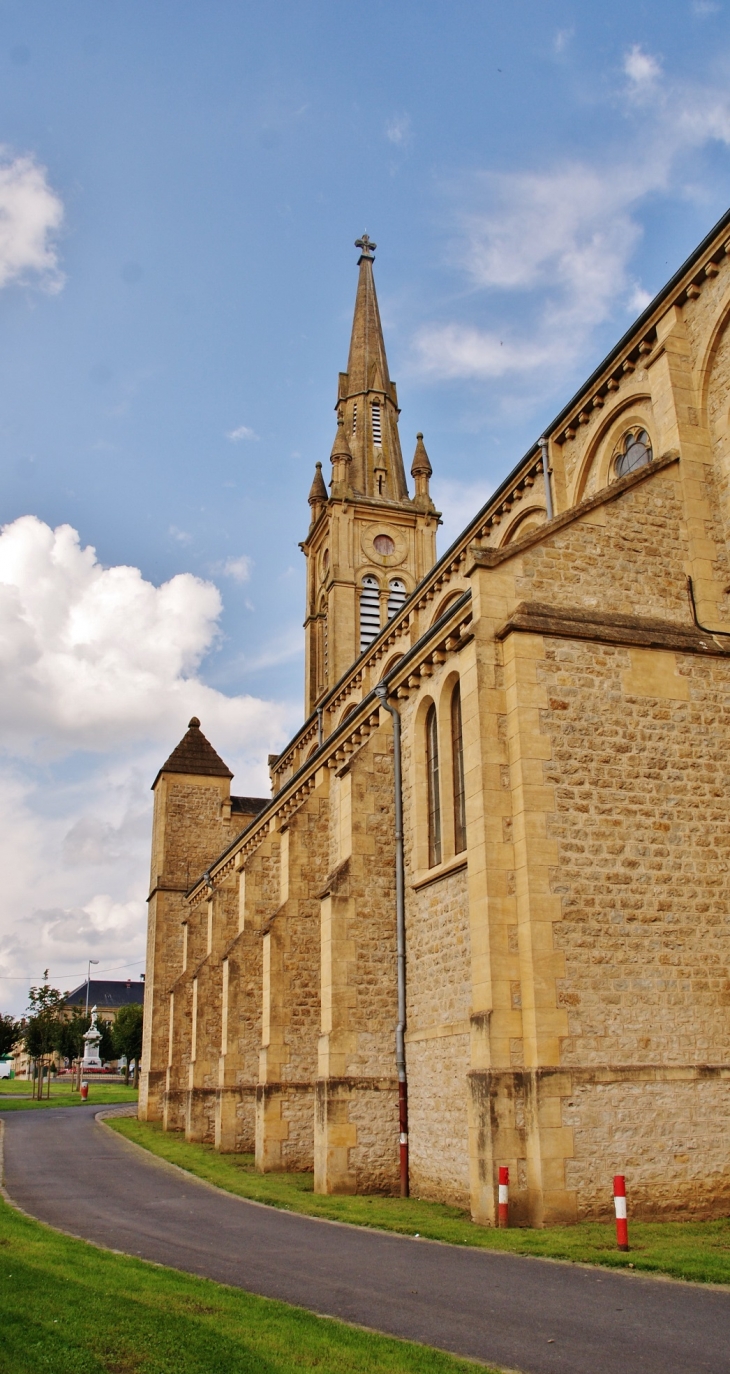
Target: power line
25, 977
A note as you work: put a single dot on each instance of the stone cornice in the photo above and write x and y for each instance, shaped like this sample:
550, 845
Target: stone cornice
533, 617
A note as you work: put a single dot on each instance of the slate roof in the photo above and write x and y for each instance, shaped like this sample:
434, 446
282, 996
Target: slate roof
104, 994
248, 806
195, 754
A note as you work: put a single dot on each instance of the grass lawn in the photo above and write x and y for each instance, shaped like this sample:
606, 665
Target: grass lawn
69, 1308
100, 1095
698, 1250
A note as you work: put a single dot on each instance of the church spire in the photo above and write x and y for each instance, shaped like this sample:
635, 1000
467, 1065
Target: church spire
369, 542
367, 397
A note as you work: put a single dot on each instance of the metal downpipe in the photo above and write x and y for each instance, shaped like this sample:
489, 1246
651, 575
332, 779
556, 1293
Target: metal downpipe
546, 475
400, 908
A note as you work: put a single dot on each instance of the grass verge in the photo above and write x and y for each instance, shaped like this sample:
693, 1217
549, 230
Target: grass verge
100, 1095
698, 1251
72, 1309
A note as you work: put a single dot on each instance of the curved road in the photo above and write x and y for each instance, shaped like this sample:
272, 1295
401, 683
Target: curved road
525, 1314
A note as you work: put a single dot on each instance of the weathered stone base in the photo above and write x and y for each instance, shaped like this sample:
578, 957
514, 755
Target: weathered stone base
235, 1119
356, 1136
151, 1093
200, 1115
564, 1133
284, 1126
173, 1111
437, 1119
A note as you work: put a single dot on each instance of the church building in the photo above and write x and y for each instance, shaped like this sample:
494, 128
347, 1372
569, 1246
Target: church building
482, 919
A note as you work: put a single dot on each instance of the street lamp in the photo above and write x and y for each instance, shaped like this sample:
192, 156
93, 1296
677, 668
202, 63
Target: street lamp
88, 978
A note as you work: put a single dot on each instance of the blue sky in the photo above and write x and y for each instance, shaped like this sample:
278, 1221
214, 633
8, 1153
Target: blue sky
180, 188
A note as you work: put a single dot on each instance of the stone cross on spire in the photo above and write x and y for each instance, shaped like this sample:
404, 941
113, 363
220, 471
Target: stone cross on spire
366, 246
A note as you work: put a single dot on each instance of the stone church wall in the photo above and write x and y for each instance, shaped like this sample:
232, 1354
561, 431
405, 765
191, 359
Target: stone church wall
642, 822
437, 1049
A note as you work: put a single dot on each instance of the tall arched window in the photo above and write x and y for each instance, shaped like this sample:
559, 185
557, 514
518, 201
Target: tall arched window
369, 611
457, 763
377, 435
396, 596
434, 799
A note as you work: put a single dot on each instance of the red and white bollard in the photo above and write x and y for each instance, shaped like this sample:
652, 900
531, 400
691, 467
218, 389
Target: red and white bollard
84, 1091
619, 1202
503, 1205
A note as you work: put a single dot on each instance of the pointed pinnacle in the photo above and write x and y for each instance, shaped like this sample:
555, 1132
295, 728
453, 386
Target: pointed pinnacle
318, 490
340, 448
420, 462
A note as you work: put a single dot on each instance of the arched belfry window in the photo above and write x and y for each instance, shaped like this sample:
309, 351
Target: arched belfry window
434, 797
634, 452
369, 611
457, 762
396, 596
377, 433
354, 417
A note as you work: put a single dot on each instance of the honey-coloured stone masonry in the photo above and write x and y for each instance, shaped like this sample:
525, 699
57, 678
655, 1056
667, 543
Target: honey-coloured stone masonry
562, 684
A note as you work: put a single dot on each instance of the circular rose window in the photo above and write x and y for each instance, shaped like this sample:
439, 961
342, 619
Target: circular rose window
384, 544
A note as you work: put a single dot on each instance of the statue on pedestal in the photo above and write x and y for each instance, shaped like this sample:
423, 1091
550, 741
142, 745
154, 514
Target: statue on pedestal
92, 1040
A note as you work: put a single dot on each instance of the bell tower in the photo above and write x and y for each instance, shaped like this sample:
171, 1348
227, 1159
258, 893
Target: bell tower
369, 541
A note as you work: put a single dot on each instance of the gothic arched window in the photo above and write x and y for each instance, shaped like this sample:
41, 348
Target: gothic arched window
457, 763
434, 798
377, 435
634, 452
369, 611
396, 596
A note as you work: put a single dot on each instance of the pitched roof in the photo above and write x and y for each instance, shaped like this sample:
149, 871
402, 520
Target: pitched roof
248, 806
106, 993
195, 754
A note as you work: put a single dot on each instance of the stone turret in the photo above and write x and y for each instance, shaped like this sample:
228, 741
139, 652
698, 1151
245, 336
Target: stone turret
193, 822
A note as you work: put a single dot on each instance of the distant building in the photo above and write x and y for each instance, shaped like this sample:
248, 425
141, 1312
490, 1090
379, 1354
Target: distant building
107, 996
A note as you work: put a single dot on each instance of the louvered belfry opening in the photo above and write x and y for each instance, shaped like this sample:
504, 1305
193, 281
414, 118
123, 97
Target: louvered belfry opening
396, 596
377, 431
369, 611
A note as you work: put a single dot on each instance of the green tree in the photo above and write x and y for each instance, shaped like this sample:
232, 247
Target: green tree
41, 1031
9, 1033
127, 1034
70, 1034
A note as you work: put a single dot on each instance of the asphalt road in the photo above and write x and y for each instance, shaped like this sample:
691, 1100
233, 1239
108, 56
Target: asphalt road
525, 1314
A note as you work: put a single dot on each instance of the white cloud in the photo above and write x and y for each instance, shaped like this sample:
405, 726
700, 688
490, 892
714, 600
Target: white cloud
398, 130
562, 39
462, 351
243, 432
99, 675
639, 299
238, 569
458, 503
30, 216
564, 237
91, 657
641, 68
181, 536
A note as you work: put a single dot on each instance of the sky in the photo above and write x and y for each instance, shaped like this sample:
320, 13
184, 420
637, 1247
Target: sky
181, 186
